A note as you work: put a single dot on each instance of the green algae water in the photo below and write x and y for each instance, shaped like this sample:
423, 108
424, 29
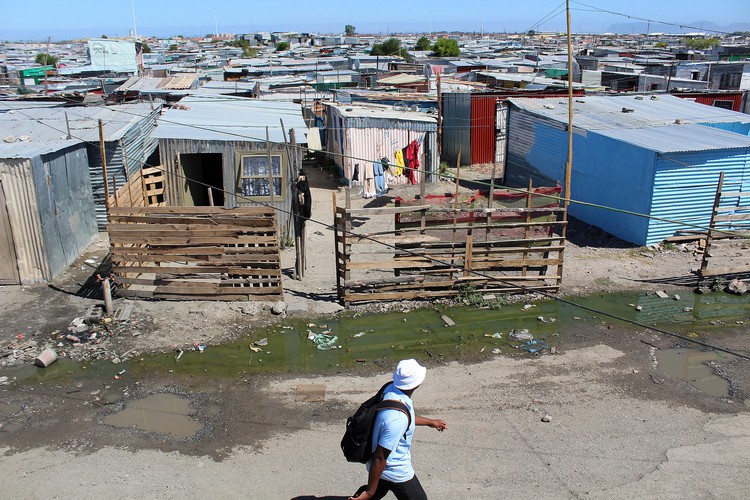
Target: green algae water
423, 333
381, 338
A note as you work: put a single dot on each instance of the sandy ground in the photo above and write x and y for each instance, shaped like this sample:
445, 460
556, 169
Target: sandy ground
618, 428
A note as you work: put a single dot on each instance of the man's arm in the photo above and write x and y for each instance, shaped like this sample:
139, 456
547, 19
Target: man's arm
431, 422
377, 465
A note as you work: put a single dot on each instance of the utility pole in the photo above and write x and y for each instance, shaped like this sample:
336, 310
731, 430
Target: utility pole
569, 163
46, 54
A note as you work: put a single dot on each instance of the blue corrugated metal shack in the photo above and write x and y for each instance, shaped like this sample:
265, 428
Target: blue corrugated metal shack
659, 156
46, 209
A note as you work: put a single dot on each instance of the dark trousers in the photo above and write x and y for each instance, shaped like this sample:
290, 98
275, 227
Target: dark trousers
408, 490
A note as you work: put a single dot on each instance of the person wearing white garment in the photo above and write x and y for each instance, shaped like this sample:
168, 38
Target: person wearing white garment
390, 468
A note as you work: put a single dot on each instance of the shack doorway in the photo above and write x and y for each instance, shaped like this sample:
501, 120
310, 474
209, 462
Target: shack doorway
8, 262
203, 174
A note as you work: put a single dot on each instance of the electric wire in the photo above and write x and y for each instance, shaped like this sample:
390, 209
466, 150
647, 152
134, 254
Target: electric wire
446, 263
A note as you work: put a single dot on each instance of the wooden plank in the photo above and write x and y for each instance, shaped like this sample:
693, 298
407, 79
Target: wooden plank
716, 271
219, 211
264, 222
732, 218
272, 272
237, 297
195, 240
187, 226
181, 251
188, 283
364, 212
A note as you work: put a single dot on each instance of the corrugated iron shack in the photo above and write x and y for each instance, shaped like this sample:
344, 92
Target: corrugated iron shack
126, 130
654, 155
46, 208
357, 134
230, 152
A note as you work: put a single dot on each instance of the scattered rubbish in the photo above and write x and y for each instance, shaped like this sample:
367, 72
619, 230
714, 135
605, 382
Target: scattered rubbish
655, 379
676, 297
19, 336
535, 346
546, 418
522, 335
496, 335
635, 370
446, 320
262, 342
46, 358
577, 318
497, 350
199, 347
3, 380
312, 325
90, 261
323, 342
361, 360
687, 309
662, 295
737, 287
279, 307
639, 308
489, 296
526, 307
121, 372
541, 318
180, 352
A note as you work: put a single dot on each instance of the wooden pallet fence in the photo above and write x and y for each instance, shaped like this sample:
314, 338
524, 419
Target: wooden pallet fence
723, 255
201, 253
431, 249
145, 188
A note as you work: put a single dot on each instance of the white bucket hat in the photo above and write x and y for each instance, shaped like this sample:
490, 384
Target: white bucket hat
408, 374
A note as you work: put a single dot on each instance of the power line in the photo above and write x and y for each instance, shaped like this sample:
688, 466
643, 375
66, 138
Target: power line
453, 264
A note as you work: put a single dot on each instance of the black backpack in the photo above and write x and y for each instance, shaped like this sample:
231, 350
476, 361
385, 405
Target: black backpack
357, 441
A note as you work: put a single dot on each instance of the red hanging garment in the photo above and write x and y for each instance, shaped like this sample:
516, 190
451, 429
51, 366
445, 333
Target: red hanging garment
412, 154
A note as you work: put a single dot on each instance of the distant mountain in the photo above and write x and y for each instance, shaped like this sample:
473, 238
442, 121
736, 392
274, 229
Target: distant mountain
693, 27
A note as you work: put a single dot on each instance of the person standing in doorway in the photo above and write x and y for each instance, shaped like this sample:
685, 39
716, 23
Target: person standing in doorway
390, 468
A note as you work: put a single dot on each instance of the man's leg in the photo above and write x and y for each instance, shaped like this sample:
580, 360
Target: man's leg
409, 490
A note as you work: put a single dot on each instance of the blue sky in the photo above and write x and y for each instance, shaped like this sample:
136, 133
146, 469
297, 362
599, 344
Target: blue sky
29, 20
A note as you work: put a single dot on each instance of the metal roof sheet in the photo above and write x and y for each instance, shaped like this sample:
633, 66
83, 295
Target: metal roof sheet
401, 79
680, 138
50, 124
27, 149
606, 112
224, 118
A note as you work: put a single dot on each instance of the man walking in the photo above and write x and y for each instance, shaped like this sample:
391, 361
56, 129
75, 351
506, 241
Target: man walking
390, 468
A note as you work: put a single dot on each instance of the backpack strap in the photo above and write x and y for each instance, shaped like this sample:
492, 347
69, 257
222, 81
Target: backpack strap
394, 404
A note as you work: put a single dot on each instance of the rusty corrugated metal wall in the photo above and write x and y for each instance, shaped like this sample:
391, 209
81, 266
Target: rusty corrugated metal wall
483, 110
20, 197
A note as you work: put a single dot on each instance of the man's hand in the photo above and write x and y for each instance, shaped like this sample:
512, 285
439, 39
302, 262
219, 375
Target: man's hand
435, 423
438, 424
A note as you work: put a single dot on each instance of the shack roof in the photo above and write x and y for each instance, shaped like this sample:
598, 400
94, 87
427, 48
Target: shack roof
680, 138
225, 118
43, 124
617, 112
377, 116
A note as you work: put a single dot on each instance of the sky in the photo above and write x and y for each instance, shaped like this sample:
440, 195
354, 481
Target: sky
39, 19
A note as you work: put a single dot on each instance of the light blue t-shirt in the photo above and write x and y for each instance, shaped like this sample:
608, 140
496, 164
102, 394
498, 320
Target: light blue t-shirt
390, 426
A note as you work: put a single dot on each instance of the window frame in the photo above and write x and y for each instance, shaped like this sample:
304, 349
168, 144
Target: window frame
269, 155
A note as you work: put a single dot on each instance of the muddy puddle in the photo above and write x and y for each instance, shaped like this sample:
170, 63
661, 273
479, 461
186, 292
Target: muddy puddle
690, 365
158, 413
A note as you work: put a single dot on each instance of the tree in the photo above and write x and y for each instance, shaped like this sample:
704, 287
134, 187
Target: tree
423, 44
446, 48
145, 48
701, 43
46, 59
247, 50
281, 46
390, 47
349, 29
104, 36
661, 45
173, 47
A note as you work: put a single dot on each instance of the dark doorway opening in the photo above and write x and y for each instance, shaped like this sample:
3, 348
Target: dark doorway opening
202, 171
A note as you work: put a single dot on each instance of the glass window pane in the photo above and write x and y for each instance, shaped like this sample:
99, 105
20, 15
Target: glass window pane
277, 186
276, 165
255, 187
254, 165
